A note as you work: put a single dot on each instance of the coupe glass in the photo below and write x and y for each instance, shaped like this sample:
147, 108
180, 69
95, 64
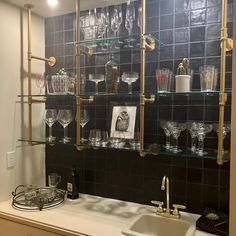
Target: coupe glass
202, 130
64, 117
96, 78
50, 117
193, 128
166, 126
129, 78
40, 83
175, 130
226, 130
84, 119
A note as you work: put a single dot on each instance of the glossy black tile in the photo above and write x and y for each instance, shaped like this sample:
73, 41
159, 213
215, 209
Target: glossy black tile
197, 49
198, 17
213, 2
153, 9
166, 7
213, 48
182, 5
213, 15
166, 22
195, 4
182, 19
194, 175
213, 31
166, 36
197, 33
166, 52
182, 35
181, 51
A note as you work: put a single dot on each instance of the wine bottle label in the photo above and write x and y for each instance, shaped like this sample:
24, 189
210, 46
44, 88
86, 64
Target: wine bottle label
69, 187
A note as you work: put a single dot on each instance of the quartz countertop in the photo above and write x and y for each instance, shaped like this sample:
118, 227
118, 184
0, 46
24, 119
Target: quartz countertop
88, 215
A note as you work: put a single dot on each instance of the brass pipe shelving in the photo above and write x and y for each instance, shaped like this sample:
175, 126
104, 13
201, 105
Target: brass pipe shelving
226, 45
51, 61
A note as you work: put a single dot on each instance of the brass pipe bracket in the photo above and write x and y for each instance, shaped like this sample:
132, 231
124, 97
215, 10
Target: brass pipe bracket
147, 42
150, 100
80, 100
51, 60
222, 99
85, 50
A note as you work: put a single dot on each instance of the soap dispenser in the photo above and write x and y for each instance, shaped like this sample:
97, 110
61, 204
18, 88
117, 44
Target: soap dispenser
73, 184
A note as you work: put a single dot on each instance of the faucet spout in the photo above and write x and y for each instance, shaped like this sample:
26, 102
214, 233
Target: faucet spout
165, 186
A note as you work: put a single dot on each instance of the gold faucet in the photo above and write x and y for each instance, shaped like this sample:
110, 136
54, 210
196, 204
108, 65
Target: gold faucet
165, 186
167, 211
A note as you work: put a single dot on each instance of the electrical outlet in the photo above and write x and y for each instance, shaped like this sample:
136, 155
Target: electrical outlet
11, 159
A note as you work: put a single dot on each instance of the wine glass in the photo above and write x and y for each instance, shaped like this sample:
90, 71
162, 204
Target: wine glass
64, 117
129, 78
202, 130
175, 130
116, 20
166, 126
50, 117
226, 130
192, 128
96, 78
84, 119
40, 83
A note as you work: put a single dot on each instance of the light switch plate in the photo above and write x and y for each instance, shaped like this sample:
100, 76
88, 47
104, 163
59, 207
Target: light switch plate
11, 159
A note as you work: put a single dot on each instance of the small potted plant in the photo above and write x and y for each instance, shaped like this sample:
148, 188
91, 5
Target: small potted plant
183, 77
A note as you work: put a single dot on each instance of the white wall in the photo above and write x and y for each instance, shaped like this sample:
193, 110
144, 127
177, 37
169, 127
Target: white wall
30, 167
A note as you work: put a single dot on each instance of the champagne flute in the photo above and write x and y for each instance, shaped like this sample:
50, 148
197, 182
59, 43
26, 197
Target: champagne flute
84, 119
64, 117
50, 117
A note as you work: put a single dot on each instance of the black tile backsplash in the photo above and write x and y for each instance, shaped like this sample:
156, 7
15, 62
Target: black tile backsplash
187, 28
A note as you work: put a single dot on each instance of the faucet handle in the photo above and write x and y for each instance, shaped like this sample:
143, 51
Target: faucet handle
176, 209
159, 205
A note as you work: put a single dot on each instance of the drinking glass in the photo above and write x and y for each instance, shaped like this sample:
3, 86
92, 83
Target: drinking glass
84, 119
226, 130
166, 126
96, 78
202, 130
64, 117
53, 180
193, 128
175, 130
208, 78
105, 139
164, 79
50, 117
40, 83
129, 78
135, 142
95, 137
129, 20
116, 20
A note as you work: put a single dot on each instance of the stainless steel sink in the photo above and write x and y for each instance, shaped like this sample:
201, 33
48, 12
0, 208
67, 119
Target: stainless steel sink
153, 225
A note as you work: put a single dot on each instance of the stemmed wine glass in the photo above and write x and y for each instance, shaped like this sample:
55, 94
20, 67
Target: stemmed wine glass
166, 126
175, 130
84, 119
116, 20
226, 130
50, 117
193, 128
40, 83
96, 78
129, 20
202, 130
64, 117
129, 78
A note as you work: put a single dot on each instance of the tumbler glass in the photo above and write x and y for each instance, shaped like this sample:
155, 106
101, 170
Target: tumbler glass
208, 78
163, 78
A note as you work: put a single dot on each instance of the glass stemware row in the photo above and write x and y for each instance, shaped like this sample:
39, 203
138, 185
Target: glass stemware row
64, 117
197, 130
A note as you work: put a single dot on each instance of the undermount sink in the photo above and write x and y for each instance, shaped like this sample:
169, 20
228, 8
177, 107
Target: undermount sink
153, 225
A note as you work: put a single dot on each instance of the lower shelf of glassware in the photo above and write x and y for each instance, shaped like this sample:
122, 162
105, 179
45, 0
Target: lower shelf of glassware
152, 149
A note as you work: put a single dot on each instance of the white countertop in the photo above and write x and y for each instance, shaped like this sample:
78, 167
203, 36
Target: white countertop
89, 215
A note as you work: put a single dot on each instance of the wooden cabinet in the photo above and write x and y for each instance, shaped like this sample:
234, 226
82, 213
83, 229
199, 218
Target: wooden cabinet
11, 228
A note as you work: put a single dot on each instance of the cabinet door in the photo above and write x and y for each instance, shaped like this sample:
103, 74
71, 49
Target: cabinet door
10, 228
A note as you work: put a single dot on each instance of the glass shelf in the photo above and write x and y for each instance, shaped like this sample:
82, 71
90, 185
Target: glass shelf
211, 153
134, 94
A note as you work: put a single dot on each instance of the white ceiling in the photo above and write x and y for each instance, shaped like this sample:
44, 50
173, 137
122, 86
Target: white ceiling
64, 6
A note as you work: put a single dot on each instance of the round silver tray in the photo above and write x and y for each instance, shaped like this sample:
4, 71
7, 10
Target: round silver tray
27, 198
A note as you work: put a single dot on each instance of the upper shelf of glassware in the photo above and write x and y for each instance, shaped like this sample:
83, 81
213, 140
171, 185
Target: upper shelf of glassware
133, 94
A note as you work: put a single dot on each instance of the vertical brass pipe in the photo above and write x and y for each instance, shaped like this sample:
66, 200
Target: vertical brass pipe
142, 75
28, 6
222, 98
78, 101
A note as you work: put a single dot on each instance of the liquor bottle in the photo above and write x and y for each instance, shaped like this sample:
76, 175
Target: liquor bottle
73, 185
111, 76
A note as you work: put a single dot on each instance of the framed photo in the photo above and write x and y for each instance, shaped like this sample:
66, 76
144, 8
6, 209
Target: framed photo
123, 122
